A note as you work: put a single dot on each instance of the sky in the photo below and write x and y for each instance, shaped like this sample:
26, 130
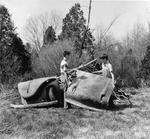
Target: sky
102, 13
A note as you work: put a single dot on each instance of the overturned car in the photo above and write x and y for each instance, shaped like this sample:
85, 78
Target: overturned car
86, 90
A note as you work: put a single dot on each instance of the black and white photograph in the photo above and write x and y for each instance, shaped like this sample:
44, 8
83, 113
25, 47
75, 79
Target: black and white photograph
74, 69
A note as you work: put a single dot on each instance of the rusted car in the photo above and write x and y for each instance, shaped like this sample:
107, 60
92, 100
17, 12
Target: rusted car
84, 89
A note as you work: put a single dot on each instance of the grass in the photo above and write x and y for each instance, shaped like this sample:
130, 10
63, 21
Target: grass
76, 123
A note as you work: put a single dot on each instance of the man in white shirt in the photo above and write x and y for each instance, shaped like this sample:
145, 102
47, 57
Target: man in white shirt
64, 71
107, 70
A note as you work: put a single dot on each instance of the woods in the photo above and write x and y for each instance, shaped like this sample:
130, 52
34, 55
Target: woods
42, 54
14, 58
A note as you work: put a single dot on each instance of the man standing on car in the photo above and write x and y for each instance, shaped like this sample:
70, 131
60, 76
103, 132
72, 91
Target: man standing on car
64, 72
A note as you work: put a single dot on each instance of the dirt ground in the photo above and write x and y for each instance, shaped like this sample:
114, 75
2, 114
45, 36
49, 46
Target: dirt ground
77, 123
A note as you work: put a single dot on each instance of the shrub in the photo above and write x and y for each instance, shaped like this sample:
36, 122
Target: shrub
128, 71
144, 72
47, 63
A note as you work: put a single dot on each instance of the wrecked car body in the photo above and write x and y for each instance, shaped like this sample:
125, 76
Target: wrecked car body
86, 90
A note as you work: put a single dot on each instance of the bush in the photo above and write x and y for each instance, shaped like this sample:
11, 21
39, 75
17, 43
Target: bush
144, 72
128, 71
47, 63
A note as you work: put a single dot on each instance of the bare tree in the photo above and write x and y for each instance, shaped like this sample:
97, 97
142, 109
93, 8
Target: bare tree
36, 26
137, 39
99, 32
103, 38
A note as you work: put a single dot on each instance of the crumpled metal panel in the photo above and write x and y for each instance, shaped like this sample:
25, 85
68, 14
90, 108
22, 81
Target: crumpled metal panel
90, 87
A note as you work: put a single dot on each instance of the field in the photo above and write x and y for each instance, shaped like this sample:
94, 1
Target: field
77, 123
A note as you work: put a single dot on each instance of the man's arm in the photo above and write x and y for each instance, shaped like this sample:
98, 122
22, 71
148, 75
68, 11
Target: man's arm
99, 71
